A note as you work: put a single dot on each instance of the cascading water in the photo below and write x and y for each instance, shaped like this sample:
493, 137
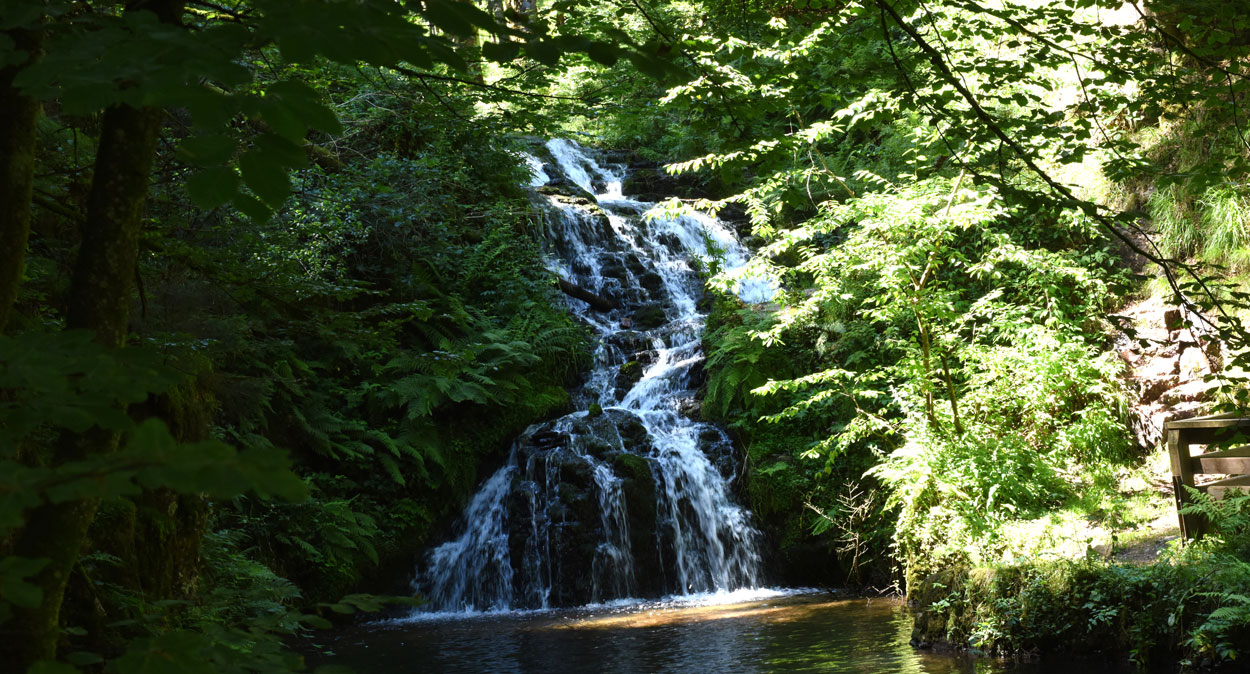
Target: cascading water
632, 497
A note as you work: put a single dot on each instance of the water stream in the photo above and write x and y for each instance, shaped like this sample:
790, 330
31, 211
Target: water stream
629, 497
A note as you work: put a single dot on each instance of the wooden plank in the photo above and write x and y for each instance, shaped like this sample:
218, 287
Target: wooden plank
1219, 488
1182, 476
1233, 461
1211, 435
1214, 421
1206, 422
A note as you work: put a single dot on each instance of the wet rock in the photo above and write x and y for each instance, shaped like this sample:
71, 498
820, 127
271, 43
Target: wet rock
628, 374
696, 374
655, 184
638, 490
719, 450
651, 282
630, 341
566, 192
690, 408
614, 269
612, 432
634, 436
647, 357
649, 317
671, 242
636, 267
548, 439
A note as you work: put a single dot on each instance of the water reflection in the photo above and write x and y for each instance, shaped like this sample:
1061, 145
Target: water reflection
797, 633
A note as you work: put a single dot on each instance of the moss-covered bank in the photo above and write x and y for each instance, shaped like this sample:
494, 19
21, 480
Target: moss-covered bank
1188, 609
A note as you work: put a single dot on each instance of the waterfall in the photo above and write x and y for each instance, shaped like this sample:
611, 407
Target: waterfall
629, 497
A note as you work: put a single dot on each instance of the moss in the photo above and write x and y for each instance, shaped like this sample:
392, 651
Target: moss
628, 374
1154, 614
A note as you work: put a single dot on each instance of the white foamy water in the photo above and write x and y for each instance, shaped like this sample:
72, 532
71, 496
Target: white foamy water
610, 509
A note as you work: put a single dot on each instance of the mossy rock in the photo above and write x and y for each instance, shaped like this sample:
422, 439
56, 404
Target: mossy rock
656, 184
649, 317
939, 613
638, 488
652, 282
627, 375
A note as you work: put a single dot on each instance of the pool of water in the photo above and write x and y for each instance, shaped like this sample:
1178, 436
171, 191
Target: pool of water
770, 632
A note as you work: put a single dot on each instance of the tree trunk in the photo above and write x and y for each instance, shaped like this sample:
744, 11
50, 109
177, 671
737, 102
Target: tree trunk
100, 298
596, 302
18, 114
103, 281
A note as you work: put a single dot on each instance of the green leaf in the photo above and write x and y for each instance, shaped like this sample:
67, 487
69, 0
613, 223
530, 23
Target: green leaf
212, 187
449, 17
251, 207
545, 52
177, 652
603, 52
308, 103
50, 667
501, 52
13, 586
266, 177
207, 149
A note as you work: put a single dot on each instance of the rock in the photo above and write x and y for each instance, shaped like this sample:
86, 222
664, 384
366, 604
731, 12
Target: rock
1151, 388
638, 488
1192, 361
1147, 428
655, 184
630, 341
614, 431
626, 376
631, 371
652, 282
614, 269
1172, 319
1194, 391
635, 265
690, 408
594, 410
647, 357
719, 450
567, 193
671, 242
649, 317
548, 439
1215, 353
1182, 411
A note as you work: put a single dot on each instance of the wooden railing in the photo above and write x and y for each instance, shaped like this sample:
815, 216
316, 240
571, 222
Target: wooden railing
1235, 462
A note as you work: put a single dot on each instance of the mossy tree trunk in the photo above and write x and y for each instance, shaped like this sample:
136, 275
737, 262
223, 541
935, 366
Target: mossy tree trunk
18, 115
100, 297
